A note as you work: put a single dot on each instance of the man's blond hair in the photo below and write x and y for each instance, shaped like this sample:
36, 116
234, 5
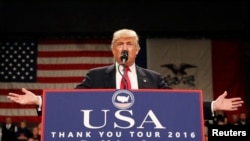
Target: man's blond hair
125, 33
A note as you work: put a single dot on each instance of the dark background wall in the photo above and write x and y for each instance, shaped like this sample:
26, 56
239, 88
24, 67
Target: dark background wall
151, 18
101, 18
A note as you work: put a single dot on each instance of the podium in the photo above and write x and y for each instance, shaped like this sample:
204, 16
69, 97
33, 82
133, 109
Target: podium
122, 115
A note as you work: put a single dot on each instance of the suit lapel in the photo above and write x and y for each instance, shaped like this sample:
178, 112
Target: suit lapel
109, 78
142, 79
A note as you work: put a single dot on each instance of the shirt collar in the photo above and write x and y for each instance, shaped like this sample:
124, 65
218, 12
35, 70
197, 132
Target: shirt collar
132, 67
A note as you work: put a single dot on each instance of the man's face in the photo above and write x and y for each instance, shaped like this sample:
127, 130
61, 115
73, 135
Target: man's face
125, 43
8, 120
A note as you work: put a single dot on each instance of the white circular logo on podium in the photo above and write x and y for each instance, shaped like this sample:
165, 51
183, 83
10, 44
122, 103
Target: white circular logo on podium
123, 99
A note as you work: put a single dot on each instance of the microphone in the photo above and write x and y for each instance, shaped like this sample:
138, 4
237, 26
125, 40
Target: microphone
124, 56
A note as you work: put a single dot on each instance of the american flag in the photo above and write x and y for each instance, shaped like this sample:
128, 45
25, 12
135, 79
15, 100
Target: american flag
46, 64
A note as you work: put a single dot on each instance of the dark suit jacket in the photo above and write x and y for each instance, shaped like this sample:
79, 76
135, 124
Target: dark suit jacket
8, 134
104, 78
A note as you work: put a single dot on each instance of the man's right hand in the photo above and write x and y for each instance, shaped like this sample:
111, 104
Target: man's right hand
27, 98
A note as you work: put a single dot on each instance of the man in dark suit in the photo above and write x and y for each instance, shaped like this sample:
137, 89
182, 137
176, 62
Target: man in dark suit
125, 47
8, 130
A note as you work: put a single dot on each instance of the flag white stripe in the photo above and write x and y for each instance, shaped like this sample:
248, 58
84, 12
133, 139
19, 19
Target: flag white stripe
62, 73
18, 112
3, 98
75, 60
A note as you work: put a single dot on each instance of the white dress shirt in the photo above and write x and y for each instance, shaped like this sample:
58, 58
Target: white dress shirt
131, 74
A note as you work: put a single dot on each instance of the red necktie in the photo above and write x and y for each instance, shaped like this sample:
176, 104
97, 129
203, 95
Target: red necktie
122, 86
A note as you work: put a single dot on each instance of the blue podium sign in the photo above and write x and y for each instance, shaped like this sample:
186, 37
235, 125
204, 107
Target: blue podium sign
122, 115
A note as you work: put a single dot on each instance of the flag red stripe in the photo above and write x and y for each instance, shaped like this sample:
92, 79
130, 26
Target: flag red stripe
75, 54
11, 105
17, 119
59, 79
68, 66
6, 91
